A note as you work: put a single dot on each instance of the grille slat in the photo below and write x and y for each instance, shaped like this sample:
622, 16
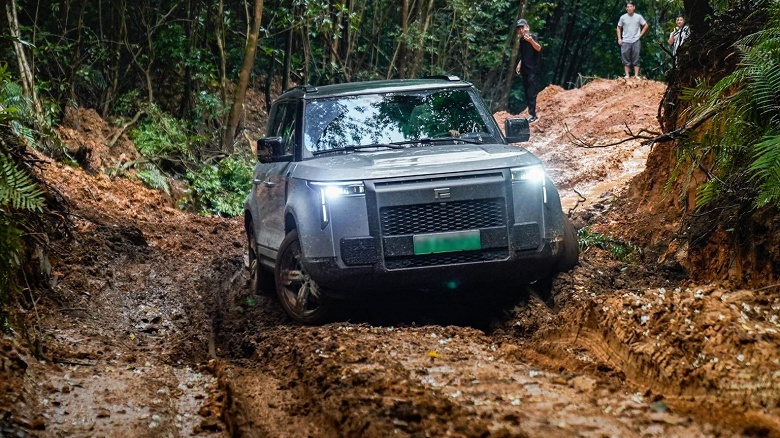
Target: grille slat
443, 217
453, 258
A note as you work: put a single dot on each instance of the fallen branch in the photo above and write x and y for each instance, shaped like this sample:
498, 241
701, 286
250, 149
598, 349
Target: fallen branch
579, 201
125, 127
646, 136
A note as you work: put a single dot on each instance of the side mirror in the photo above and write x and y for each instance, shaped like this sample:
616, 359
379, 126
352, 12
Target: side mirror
517, 130
267, 148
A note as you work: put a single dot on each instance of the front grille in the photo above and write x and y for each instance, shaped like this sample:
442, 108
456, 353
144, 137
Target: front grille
453, 258
442, 217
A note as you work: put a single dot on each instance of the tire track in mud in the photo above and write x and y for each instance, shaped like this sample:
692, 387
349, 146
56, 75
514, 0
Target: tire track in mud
254, 401
714, 382
347, 379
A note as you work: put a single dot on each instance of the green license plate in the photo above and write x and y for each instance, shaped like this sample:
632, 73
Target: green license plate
447, 242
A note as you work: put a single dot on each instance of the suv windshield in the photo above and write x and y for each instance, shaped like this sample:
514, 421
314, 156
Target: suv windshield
384, 119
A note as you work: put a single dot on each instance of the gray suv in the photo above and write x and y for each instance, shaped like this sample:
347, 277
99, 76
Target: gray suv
383, 187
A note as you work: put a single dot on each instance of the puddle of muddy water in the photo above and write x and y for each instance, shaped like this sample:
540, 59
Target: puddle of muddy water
592, 189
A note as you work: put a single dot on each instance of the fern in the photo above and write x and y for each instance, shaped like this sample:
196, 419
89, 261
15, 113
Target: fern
17, 188
741, 145
154, 179
622, 251
766, 169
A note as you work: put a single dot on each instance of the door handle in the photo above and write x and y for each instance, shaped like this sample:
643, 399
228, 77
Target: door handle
269, 183
256, 181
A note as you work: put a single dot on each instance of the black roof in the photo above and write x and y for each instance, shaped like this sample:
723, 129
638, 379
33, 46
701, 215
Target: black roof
355, 88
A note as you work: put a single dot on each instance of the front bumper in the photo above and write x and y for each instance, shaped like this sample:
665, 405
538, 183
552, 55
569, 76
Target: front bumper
510, 273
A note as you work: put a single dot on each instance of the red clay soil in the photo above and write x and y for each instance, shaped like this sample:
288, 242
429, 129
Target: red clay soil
148, 327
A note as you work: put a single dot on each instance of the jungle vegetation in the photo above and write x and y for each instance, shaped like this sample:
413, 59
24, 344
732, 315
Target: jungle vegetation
174, 74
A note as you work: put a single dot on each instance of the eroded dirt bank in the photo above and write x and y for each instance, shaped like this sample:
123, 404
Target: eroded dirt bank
149, 329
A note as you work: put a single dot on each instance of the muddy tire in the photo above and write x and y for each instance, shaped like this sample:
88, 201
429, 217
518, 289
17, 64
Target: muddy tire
300, 296
571, 247
261, 281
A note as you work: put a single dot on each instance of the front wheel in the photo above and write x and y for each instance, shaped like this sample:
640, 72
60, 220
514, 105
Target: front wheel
300, 296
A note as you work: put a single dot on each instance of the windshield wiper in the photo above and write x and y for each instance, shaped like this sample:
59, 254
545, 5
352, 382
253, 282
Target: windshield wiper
429, 140
355, 147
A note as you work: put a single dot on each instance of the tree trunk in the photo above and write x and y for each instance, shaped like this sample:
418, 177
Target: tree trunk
25, 71
345, 49
403, 53
287, 60
306, 52
187, 101
219, 30
231, 130
77, 53
117, 34
425, 18
269, 78
698, 12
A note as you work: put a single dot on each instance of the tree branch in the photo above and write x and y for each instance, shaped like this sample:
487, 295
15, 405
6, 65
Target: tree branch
646, 136
124, 128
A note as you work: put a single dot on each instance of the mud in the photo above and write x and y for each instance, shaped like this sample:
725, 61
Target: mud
148, 327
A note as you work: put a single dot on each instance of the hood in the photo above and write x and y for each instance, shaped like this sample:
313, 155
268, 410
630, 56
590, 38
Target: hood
415, 161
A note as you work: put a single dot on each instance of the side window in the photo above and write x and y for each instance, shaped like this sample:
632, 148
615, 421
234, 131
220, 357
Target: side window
288, 128
274, 120
282, 122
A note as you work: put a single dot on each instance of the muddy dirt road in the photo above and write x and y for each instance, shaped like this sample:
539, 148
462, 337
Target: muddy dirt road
149, 329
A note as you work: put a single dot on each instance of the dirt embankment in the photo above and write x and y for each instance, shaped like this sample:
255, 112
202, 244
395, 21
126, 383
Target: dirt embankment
149, 328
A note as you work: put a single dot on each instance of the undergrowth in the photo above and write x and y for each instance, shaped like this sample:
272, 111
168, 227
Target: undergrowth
168, 145
622, 251
739, 151
19, 196
221, 188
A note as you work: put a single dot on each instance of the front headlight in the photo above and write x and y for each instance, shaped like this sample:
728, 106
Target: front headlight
337, 190
332, 191
532, 174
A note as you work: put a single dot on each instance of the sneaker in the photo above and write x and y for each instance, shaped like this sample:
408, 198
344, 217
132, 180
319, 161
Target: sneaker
625, 77
532, 119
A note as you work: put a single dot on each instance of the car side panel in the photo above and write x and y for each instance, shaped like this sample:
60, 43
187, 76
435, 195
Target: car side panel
268, 194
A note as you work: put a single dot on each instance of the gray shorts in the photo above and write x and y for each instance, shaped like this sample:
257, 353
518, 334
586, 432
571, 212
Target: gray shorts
630, 53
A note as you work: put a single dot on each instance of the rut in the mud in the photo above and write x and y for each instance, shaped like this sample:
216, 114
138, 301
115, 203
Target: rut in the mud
152, 304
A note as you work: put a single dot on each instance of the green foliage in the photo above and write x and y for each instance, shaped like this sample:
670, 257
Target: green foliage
623, 251
126, 105
18, 193
153, 178
161, 136
221, 188
741, 147
17, 189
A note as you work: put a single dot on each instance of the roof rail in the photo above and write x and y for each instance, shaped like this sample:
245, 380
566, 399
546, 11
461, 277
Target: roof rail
304, 88
451, 78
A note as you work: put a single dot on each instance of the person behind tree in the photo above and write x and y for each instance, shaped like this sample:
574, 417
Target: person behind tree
678, 35
630, 29
529, 65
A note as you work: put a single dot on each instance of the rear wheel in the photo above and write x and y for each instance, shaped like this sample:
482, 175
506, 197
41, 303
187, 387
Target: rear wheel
300, 296
571, 247
261, 280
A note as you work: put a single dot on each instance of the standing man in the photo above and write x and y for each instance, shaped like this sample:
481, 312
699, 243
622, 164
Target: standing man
678, 35
529, 66
630, 29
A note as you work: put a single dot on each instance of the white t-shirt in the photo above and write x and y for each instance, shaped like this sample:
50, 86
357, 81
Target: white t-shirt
679, 35
632, 27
